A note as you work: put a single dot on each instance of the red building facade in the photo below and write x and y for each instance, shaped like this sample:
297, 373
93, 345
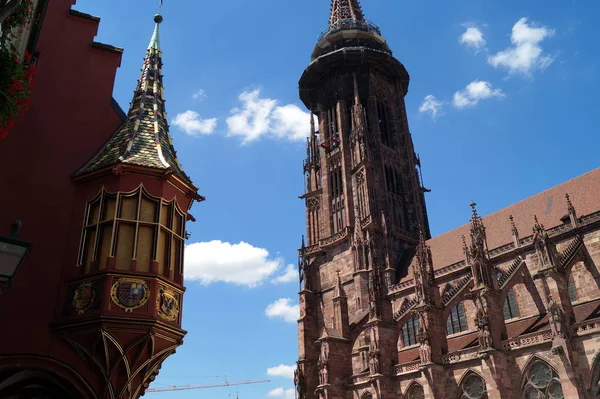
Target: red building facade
96, 307
504, 307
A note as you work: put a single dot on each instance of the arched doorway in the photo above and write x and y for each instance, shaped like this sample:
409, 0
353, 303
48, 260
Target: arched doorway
34, 384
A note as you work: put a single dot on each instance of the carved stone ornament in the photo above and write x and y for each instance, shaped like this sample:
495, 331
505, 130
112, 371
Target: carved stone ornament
312, 204
425, 352
129, 293
557, 324
167, 304
299, 381
84, 297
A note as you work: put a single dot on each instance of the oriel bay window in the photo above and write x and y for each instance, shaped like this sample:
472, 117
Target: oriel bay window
136, 229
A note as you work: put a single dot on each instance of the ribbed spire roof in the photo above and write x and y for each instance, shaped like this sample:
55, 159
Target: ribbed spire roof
143, 138
345, 10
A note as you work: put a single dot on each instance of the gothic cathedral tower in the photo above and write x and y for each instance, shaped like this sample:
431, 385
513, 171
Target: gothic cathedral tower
365, 206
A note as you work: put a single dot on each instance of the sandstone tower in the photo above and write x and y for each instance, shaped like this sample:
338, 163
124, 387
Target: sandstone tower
506, 306
365, 202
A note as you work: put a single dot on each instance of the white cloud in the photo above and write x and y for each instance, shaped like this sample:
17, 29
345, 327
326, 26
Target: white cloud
284, 309
258, 117
190, 122
475, 91
472, 37
432, 105
241, 263
199, 95
525, 54
290, 274
282, 393
282, 371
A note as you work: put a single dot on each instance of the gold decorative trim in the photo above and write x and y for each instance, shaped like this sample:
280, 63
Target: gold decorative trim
129, 293
167, 304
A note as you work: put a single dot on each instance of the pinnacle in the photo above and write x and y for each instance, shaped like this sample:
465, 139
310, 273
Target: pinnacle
345, 10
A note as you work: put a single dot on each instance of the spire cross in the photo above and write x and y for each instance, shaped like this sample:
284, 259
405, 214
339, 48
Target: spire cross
160, 4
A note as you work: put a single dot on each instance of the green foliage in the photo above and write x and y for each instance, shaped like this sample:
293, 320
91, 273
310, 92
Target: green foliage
16, 75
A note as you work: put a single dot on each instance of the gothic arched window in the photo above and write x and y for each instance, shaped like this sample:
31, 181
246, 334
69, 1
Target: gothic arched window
415, 392
383, 114
572, 290
542, 383
473, 387
457, 320
511, 310
409, 331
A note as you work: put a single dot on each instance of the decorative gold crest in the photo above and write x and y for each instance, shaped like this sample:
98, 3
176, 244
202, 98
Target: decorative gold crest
84, 296
129, 293
167, 304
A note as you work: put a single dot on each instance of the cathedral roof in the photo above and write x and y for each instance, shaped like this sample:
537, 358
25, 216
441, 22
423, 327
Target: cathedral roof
143, 139
550, 206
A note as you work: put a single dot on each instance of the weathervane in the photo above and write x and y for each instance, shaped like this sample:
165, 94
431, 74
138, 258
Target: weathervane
160, 4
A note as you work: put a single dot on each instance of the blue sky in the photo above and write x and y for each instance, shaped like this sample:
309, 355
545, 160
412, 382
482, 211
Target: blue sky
514, 111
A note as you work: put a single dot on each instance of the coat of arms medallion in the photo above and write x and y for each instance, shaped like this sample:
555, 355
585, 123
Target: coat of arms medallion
129, 293
84, 297
167, 304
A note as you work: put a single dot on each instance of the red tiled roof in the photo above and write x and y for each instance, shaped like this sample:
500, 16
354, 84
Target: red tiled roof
408, 355
586, 310
549, 206
525, 326
461, 342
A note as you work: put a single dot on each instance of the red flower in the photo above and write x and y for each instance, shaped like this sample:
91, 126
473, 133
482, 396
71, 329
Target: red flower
3, 133
16, 84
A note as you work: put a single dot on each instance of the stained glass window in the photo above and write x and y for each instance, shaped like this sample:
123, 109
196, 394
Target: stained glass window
473, 387
511, 309
572, 290
542, 383
416, 392
409, 331
457, 320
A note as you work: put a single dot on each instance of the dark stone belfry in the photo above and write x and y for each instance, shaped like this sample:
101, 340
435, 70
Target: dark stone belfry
365, 205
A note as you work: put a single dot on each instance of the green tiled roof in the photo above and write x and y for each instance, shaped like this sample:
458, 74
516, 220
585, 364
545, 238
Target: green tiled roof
143, 139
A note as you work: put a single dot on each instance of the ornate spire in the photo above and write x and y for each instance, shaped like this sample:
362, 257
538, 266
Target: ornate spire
338, 289
345, 10
514, 231
423, 271
478, 237
478, 251
538, 229
356, 92
303, 265
143, 139
571, 210
465, 249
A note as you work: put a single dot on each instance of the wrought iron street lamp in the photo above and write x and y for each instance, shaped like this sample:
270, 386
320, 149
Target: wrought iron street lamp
12, 253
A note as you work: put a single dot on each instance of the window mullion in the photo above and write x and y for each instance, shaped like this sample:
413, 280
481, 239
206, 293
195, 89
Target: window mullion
97, 238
